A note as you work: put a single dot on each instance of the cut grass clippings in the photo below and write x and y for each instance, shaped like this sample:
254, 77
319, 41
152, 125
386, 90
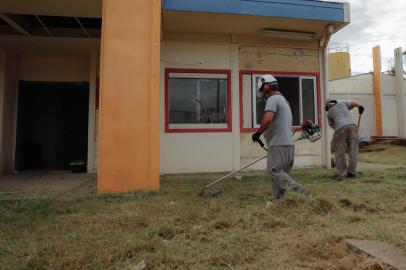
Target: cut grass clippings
177, 229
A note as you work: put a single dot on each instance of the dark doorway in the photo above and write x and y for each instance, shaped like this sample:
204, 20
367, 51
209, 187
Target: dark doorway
52, 125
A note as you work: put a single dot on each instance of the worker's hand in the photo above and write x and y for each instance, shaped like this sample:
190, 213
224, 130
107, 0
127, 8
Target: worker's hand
256, 137
361, 109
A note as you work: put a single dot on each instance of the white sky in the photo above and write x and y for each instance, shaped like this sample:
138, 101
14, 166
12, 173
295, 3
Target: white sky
374, 22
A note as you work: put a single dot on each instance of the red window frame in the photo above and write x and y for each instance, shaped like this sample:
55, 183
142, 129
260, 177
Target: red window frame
198, 71
251, 72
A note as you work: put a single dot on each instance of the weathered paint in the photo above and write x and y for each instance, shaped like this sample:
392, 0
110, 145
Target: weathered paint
377, 89
279, 58
129, 96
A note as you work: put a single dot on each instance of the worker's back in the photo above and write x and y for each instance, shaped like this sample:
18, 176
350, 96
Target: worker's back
340, 115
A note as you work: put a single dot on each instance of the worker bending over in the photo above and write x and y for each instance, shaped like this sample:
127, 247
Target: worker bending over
345, 135
277, 129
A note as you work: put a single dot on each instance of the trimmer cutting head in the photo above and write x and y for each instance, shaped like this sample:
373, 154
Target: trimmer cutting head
209, 193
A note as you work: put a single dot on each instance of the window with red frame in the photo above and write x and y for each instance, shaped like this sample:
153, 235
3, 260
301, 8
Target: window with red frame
197, 100
300, 91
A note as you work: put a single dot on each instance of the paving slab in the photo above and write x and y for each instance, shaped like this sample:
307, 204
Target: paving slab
384, 252
41, 184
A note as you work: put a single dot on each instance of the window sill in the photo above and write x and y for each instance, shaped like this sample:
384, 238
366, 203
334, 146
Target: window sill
198, 130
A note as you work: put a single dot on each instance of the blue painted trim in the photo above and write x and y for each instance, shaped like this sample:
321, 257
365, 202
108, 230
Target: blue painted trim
297, 9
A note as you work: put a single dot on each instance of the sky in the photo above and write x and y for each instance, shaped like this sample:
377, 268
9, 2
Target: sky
374, 22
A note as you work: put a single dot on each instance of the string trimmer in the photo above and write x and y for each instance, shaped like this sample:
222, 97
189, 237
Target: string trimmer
310, 131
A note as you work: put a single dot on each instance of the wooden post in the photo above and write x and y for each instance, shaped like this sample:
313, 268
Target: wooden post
378, 89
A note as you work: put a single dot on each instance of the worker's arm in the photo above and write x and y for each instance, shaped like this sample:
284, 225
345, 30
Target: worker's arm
356, 104
266, 122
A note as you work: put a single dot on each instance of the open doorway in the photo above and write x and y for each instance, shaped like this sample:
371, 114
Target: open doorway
52, 125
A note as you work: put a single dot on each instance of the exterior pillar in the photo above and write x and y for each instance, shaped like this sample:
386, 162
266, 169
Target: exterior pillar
3, 67
325, 94
400, 95
378, 89
8, 110
235, 84
91, 142
129, 96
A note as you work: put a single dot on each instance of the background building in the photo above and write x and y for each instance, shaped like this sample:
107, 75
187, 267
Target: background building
177, 82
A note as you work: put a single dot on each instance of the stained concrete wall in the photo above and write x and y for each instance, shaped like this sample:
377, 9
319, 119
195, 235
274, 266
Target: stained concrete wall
279, 59
8, 109
199, 151
390, 120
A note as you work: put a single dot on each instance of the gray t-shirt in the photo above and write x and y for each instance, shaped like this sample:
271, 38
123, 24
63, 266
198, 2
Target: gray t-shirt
340, 115
279, 133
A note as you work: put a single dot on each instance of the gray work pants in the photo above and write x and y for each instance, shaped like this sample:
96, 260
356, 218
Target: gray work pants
346, 137
280, 163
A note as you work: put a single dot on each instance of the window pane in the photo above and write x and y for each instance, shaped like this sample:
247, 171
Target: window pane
289, 87
308, 100
193, 101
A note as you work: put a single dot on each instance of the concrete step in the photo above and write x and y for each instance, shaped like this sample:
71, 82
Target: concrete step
388, 254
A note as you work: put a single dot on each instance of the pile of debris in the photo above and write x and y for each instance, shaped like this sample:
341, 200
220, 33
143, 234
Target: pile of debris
375, 143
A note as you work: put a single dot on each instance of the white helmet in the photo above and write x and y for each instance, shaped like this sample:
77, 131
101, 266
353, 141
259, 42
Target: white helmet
266, 79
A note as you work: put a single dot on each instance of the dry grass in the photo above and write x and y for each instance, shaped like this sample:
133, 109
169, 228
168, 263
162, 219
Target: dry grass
392, 155
176, 229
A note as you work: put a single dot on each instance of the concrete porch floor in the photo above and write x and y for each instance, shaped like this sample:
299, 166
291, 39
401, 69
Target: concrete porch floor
43, 184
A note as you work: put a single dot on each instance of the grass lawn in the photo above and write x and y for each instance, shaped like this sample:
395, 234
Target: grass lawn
177, 229
393, 155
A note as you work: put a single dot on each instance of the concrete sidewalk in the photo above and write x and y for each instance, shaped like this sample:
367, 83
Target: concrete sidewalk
42, 184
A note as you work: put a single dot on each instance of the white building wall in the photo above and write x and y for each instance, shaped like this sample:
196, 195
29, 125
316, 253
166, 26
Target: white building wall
390, 119
214, 152
359, 88
195, 152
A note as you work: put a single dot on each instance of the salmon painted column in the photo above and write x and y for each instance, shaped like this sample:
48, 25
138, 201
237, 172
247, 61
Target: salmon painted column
378, 89
129, 96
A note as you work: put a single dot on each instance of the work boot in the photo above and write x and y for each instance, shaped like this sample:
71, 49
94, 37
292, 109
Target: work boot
299, 189
351, 175
338, 177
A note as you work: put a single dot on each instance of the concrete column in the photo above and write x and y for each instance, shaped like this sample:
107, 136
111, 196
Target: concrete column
325, 94
8, 110
400, 85
235, 85
129, 96
378, 89
3, 67
91, 141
